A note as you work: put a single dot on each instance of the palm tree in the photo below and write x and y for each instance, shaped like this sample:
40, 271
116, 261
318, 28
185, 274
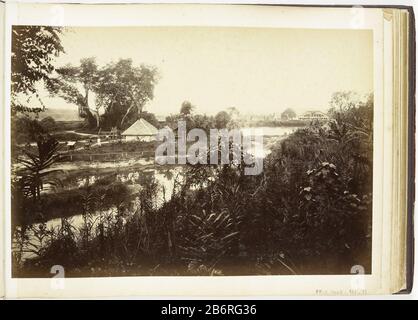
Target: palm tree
36, 173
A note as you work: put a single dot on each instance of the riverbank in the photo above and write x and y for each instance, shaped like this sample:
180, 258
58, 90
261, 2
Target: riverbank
127, 168
281, 222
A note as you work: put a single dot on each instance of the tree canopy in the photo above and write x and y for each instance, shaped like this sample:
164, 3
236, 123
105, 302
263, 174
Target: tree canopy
75, 83
123, 90
288, 114
120, 89
186, 108
222, 119
32, 54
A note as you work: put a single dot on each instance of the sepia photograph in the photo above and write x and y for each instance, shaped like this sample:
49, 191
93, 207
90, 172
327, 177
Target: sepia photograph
202, 150
132, 150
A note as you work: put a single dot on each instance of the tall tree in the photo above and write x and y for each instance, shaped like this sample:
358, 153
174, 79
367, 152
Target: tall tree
222, 119
120, 89
75, 84
123, 90
33, 51
288, 114
186, 108
342, 101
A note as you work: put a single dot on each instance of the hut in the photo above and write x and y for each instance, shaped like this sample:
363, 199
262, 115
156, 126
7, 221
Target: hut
141, 130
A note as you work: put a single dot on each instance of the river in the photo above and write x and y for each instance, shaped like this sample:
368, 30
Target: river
130, 173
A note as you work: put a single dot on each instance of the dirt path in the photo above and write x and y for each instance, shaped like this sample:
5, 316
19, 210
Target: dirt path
79, 133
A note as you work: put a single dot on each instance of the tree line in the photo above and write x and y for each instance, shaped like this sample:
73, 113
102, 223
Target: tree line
106, 96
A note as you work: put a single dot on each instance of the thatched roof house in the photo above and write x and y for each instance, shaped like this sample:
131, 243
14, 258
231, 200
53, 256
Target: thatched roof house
140, 130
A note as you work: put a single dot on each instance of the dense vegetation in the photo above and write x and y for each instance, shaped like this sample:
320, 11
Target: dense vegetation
33, 50
309, 212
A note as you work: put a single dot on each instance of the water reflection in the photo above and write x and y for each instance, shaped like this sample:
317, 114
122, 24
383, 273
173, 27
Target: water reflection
135, 178
165, 180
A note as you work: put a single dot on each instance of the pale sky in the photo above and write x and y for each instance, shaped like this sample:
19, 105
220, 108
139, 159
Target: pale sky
256, 70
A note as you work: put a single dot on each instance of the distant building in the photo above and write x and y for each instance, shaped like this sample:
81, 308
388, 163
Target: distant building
313, 115
141, 130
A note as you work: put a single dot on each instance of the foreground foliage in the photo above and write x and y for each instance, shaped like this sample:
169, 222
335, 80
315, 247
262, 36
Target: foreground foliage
309, 212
